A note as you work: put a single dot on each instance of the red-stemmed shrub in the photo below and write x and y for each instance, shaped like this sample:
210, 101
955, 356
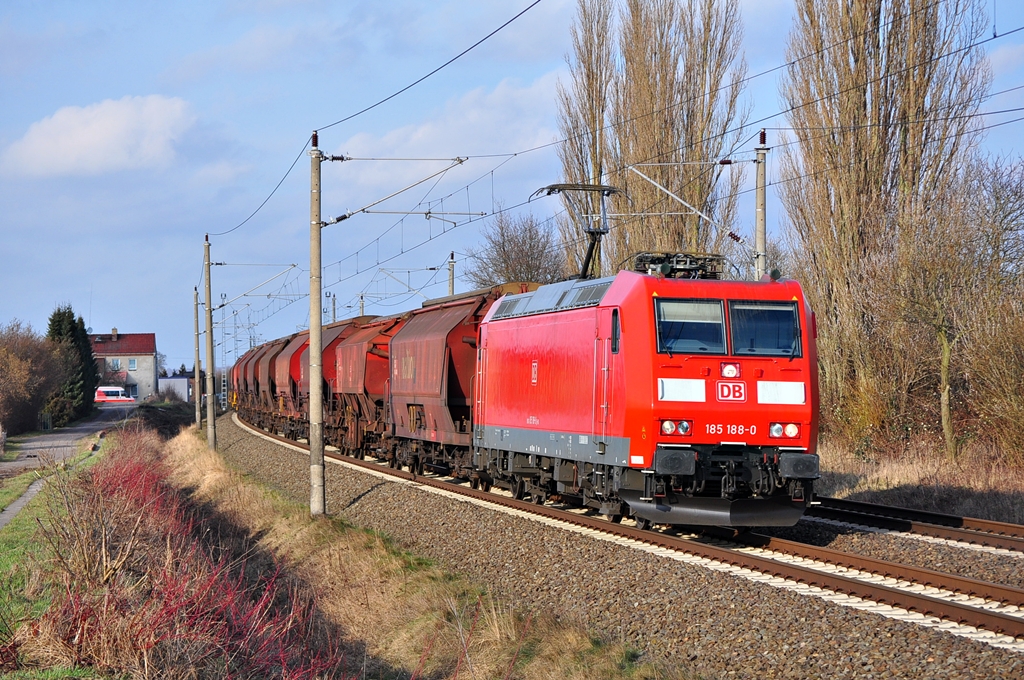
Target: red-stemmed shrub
142, 588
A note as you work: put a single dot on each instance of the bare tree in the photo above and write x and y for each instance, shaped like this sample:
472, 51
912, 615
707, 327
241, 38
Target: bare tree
516, 248
669, 92
880, 96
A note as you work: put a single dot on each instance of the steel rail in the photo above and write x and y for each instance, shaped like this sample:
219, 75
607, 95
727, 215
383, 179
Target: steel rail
950, 527
894, 570
927, 605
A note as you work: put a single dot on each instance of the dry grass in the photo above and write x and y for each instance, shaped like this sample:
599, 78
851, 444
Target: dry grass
979, 482
410, 615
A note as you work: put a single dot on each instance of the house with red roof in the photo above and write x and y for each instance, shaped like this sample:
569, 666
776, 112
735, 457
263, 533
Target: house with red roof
128, 360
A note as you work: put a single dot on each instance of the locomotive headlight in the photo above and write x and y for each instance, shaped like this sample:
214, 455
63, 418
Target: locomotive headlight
683, 427
787, 430
730, 370
668, 427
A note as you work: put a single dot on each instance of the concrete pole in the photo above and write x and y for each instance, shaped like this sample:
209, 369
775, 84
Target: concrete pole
196, 389
317, 499
451, 274
211, 406
760, 232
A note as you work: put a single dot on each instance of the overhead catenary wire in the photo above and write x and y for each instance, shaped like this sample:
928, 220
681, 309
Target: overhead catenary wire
536, 148
510, 156
779, 113
375, 105
561, 245
821, 50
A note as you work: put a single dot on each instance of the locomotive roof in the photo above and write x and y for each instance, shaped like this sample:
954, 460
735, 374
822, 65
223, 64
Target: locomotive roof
577, 293
570, 294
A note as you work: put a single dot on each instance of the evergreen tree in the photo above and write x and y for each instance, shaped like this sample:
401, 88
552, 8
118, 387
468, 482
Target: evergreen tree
90, 377
74, 399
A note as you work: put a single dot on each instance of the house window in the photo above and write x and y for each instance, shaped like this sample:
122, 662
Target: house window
131, 364
133, 390
115, 364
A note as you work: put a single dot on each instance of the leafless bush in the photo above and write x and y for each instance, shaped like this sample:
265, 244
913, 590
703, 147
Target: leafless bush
169, 396
995, 368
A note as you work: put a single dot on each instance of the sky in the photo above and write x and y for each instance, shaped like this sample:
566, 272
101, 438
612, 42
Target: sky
130, 131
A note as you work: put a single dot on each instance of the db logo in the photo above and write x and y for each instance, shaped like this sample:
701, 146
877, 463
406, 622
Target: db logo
732, 391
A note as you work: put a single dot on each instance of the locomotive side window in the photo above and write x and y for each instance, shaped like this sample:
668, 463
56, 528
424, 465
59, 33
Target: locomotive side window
765, 328
690, 326
615, 331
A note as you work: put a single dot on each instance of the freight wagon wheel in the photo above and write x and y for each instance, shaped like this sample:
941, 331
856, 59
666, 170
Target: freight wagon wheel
518, 488
538, 497
643, 524
615, 519
474, 483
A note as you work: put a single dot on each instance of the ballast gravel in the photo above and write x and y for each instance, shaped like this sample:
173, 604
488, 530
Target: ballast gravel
713, 624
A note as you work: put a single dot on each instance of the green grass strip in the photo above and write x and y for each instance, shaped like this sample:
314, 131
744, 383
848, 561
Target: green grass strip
12, 488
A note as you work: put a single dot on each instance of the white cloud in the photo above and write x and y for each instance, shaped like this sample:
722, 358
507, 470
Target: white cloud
131, 133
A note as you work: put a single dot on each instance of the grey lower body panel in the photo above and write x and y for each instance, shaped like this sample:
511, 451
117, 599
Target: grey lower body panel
582, 447
702, 511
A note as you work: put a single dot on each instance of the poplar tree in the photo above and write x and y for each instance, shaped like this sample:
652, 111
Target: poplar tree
655, 85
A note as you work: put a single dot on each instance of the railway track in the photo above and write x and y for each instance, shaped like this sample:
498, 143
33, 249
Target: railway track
960, 601
936, 525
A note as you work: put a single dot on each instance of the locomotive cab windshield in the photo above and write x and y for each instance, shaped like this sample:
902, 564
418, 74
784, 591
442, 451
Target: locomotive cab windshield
765, 328
756, 328
690, 326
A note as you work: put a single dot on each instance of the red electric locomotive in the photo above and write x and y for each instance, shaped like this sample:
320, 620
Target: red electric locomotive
678, 400
665, 393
